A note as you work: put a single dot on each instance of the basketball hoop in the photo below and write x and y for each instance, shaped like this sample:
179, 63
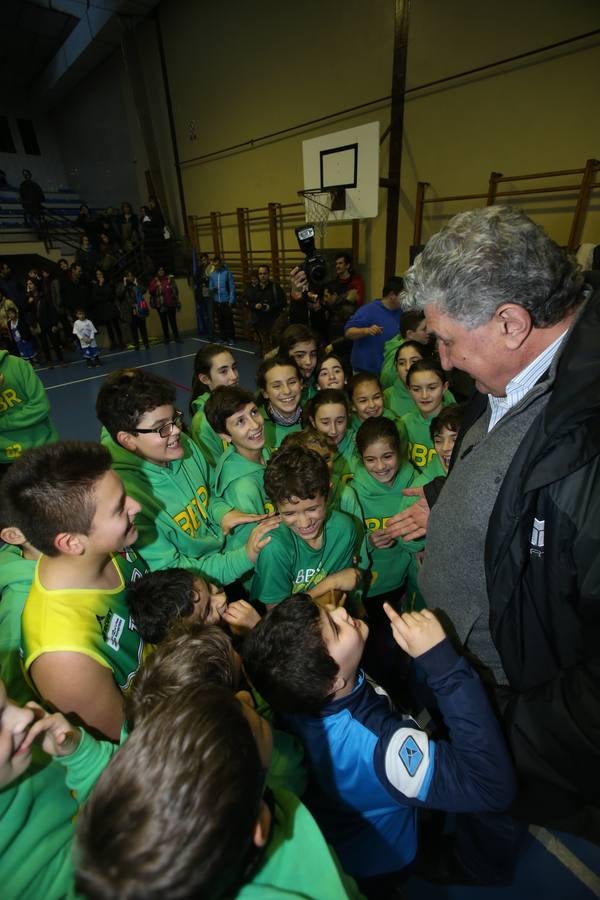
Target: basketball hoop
319, 204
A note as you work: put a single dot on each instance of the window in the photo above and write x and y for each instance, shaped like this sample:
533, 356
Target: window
7, 145
28, 136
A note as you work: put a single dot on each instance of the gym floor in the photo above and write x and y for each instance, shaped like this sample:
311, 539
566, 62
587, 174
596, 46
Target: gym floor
552, 865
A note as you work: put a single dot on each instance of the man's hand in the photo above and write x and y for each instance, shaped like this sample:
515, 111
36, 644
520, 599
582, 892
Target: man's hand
299, 281
415, 632
259, 537
241, 616
58, 736
236, 517
411, 523
347, 580
380, 539
372, 329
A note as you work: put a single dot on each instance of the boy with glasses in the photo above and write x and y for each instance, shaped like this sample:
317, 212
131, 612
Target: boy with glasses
179, 524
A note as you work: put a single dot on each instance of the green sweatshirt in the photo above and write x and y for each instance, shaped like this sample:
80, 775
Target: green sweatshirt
274, 432
398, 399
388, 372
346, 458
420, 443
297, 861
178, 525
16, 575
288, 565
24, 409
343, 498
211, 445
391, 565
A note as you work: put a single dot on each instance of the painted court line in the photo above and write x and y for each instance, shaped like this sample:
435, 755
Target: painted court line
159, 362
572, 862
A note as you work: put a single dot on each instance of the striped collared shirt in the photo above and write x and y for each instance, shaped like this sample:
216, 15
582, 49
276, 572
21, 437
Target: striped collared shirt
522, 383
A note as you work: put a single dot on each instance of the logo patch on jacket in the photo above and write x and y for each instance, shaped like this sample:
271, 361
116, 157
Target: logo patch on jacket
111, 626
537, 538
411, 755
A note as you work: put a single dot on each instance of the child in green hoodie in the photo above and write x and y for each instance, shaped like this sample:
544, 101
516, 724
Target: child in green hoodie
413, 327
329, 413
280, 387
427, 383
24, 410
378, 484
214, 366
180, 523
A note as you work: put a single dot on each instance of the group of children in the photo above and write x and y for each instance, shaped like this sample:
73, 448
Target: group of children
198, 607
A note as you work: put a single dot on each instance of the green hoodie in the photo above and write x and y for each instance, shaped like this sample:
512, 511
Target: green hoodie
392, 565
421, 451
274, 432
24, 409
388, 373
399, 401
16, 575
346, 458
178, 525
211, 445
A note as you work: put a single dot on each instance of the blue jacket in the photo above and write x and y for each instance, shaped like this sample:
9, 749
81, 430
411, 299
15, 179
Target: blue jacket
367, 352
222, 286
370, 767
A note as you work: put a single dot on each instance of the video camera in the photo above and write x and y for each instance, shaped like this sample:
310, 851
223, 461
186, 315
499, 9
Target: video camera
314, 266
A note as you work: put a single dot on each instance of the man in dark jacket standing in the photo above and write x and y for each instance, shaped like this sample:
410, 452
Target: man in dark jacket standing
32, 197
513, 540
265, 301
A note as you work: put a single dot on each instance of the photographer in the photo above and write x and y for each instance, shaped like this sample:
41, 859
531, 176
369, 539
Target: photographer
265, 300
374, 324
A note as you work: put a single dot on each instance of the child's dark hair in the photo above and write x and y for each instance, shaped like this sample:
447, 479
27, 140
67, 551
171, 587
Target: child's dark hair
362, 378
286, 659
202, 365
295, 334
377, 429
273, 361
321, 398
160, 599
338, 358
426, 365
410, 320
192, 655
307, 439
127, 394
296, 473
51, 490
193, 781
223, 403
449, 417
410, 345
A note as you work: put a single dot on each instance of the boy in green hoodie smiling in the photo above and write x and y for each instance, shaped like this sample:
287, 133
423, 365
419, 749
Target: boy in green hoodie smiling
179, 524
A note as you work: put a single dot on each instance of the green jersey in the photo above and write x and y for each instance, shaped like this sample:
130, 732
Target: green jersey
309, 389
209, 442
420, 443
288, 565
391, 566
346, 458
24, 409
398, 399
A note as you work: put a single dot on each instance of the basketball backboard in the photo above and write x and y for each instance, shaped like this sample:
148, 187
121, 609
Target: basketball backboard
346, 159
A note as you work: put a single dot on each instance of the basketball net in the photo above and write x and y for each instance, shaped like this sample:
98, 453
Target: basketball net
318, 206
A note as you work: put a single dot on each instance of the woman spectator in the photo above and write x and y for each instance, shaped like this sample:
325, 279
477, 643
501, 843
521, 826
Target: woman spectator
103, 310
49, 329
165, 299
86, 222
86, 257
128, 228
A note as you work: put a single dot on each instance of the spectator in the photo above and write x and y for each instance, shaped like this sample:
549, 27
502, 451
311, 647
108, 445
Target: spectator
222, 288
164, 295
265, 300
374, 324
59, 291
86, 257
349, 283
204, 309
10, 286
76, 292
103, 310
105, 260
49, 331
86, 222
32, 197
6, 306
128, 228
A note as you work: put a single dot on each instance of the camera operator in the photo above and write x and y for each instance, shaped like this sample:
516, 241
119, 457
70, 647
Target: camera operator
349, 283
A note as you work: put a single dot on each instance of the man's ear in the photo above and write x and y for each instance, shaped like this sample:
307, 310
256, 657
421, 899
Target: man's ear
516, 324
70, 543
126, 440
13, 535
262, 827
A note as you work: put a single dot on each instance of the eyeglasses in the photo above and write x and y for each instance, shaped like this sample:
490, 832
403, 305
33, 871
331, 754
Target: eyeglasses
165, 430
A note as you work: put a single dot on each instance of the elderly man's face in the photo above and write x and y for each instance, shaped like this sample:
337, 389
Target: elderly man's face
479, 351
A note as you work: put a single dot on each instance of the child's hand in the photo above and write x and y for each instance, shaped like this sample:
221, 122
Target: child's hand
241, 616
59, 736
415, 632
380, 539
259, 537
236, 517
